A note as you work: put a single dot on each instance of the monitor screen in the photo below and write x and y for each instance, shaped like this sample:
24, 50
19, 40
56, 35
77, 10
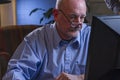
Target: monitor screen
103, 62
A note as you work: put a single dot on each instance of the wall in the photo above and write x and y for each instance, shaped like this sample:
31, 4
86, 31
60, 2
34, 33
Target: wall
7, 14
24, 7
18, 11
98, 7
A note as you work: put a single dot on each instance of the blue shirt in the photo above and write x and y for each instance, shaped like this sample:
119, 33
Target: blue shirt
43, 55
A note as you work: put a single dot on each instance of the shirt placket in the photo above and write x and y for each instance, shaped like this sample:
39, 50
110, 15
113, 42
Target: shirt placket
67, 60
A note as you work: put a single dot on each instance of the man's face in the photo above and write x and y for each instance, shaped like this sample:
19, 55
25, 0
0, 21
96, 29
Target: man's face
70, 18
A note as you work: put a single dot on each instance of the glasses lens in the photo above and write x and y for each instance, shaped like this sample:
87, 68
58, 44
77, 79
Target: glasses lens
71, 20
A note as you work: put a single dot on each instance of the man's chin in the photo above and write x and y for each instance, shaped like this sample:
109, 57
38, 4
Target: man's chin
74, 34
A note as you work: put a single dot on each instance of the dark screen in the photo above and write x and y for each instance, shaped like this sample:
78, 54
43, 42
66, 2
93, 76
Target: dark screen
103, 62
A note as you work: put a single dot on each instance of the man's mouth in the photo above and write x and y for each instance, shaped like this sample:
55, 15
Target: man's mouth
76, 28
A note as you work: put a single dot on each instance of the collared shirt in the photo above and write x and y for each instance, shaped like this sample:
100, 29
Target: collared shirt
43, 55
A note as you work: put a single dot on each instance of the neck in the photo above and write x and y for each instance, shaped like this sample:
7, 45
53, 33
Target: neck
63, 36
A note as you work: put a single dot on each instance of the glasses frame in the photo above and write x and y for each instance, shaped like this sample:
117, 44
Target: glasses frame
72, 23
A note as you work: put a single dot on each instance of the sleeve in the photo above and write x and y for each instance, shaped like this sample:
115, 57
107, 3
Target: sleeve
24, 63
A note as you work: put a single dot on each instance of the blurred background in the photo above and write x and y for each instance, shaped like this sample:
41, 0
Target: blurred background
17, 11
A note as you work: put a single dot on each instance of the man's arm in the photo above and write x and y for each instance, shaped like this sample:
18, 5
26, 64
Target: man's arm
22, 65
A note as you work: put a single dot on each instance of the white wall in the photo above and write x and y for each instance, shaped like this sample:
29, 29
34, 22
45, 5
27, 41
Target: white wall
8, 14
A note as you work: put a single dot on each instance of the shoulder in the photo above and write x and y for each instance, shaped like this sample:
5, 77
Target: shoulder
41, 31
40, 35
85, 31
86, 28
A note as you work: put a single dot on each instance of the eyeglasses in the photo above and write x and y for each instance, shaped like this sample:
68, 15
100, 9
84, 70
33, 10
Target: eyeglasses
71, 19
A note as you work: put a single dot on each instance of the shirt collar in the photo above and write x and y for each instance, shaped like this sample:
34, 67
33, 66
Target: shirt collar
57, 38
75, 43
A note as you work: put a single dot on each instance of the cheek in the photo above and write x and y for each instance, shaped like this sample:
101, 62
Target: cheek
64, 26
63, 23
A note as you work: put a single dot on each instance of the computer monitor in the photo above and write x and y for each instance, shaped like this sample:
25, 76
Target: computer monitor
103, 61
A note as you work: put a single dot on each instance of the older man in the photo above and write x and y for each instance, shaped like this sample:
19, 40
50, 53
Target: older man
55, 51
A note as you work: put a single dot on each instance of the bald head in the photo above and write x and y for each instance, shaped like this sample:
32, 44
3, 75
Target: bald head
64, 3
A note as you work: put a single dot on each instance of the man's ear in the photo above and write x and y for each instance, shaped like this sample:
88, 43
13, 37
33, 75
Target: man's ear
55, 13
